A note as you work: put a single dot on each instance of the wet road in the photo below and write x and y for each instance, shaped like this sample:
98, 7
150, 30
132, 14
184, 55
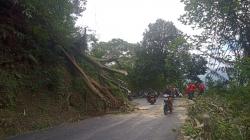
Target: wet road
147, 123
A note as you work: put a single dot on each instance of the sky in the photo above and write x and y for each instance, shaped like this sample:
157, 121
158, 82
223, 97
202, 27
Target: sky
128, 19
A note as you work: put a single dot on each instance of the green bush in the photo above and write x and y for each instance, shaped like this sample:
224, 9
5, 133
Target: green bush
229, 111
8, 88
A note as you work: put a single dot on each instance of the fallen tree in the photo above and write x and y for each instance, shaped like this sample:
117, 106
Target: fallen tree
97, 64
101, 91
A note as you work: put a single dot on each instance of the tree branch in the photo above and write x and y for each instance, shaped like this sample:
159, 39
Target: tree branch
96, 63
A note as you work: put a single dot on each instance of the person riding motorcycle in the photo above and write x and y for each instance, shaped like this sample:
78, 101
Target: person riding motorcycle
168, 101
151, 96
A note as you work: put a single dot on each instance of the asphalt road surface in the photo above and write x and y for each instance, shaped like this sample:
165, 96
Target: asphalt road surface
147, 123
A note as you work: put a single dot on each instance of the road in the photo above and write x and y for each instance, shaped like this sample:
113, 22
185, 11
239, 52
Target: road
147, 123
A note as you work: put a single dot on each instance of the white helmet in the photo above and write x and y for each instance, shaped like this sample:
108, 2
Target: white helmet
165, 95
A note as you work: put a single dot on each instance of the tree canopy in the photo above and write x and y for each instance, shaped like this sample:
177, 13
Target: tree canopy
226, 32
226, 22
164, 57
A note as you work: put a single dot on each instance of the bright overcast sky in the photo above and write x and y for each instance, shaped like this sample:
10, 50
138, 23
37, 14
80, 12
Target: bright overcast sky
128, 19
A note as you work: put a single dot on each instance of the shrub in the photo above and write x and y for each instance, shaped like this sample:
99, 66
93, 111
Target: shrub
228, 110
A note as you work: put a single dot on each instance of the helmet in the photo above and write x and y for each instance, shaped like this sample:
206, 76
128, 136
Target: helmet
165, 95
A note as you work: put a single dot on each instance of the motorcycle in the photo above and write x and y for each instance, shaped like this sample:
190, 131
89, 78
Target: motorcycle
168, 104
151, 99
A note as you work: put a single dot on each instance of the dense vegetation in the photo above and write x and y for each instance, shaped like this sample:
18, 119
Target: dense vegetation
47, 75
225, 39
164, 58
52, 71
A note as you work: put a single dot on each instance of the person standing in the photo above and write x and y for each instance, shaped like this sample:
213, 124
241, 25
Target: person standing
190, 90
201, 88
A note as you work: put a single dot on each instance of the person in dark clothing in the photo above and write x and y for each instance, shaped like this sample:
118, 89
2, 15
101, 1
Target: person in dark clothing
168, 91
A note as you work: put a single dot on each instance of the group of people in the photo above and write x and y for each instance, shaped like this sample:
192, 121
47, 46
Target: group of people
172, 92
191, 88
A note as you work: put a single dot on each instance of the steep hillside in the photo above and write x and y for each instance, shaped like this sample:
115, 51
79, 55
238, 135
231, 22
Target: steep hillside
46, 76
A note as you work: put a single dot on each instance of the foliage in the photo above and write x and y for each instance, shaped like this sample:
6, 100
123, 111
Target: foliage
36, 26
149, 66
28, 38
191, 130
196, 66
119, 54
228, 110
114, 48
243, 67
117, 50
225, 38
7, 92
42, 54
52, 19
225, 22
164, 57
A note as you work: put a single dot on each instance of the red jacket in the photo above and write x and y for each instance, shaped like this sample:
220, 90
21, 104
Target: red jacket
191, 88
201, 87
